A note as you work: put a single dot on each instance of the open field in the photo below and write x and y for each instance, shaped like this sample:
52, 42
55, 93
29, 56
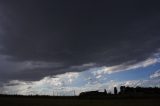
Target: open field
36, 101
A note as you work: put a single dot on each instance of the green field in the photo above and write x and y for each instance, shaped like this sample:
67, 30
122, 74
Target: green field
23, 101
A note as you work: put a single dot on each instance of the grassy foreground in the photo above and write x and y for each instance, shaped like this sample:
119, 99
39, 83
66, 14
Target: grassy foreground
23, 101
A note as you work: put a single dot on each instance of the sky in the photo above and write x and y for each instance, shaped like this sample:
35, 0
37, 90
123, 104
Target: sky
58, 47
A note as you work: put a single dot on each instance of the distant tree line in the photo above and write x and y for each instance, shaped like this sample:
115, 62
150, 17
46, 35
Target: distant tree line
137, 91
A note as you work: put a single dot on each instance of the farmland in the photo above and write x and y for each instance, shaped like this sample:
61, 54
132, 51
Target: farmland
70, 101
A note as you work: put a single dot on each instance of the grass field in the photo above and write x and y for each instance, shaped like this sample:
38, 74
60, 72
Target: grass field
23, 101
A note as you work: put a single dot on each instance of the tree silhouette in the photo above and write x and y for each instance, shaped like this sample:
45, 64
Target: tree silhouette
115, 90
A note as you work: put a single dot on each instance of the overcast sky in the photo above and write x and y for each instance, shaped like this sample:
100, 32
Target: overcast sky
104, 41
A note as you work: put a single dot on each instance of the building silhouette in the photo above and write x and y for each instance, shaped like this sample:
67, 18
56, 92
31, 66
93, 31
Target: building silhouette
93, 93
138, 91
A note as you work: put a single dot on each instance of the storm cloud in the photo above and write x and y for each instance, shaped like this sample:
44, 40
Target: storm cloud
46, 37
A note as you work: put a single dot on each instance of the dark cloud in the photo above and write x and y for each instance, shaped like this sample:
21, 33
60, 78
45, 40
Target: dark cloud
80, 32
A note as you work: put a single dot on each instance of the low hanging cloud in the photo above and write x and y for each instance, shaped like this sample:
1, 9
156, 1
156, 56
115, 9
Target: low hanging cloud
76, 82
45, 86
48, 86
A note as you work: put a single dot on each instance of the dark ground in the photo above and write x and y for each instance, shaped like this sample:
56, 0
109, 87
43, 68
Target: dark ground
50, 101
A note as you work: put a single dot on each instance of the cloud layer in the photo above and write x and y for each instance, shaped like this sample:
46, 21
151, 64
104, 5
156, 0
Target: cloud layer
42, 39
76, 82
